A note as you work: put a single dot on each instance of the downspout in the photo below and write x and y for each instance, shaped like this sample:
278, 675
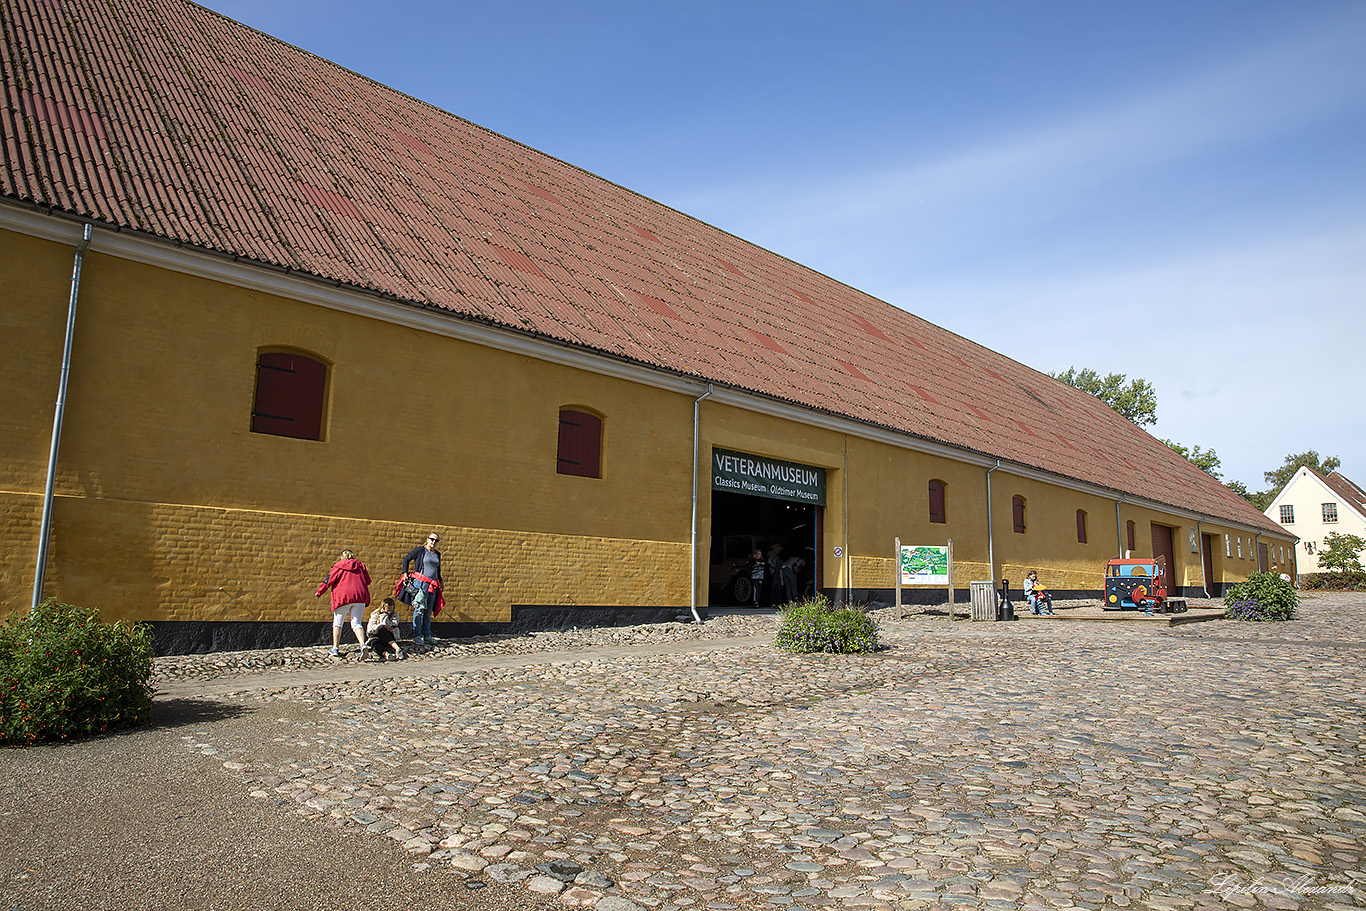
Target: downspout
991, 537
1119, 529
45, 529
847, 569
696, 424
1200, 535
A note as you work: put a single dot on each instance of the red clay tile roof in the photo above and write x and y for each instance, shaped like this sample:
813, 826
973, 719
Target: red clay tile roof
165, 118
1349, 492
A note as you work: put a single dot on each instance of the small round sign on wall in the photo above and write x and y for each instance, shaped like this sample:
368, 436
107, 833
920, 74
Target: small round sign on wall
839, 552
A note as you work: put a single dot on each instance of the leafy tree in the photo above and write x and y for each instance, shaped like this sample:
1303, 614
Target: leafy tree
1341, 553
1293, 463
1204, 459
1281, 476
1260, 499
1136, 400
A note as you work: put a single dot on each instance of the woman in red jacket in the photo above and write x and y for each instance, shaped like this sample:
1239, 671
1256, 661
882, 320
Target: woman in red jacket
350, 584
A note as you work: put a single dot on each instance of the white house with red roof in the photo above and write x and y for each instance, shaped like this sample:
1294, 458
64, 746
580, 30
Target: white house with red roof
1312, 506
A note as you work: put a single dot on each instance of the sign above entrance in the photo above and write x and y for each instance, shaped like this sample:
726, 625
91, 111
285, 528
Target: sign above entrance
763, 477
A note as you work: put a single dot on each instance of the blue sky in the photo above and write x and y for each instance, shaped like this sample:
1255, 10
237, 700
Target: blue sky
1170, 190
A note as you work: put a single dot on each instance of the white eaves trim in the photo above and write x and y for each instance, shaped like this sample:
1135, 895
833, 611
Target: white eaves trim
229, 269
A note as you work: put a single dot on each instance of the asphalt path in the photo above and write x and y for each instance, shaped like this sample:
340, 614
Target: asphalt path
135, 820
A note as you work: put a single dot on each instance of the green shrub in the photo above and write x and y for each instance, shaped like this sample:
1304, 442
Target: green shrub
815, 625
1264, 596
1341, 553
63, 674
1346, 581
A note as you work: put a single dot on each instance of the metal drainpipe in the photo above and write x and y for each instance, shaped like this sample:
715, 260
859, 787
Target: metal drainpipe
1119, 529
1200, 536
847, 569
991, 537
45, 529
696, 423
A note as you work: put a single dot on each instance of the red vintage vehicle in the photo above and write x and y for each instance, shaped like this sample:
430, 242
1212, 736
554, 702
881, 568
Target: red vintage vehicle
1136, 584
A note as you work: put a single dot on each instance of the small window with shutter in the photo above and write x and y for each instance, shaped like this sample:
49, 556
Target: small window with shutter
580, 450
1017, 511
1081, 526
290, 393
937, 512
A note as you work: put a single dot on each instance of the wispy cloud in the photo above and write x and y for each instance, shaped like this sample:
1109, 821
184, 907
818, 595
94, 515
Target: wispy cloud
1247, 344
953, 198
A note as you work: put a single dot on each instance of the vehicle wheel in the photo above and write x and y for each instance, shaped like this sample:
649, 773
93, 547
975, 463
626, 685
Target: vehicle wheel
742, 590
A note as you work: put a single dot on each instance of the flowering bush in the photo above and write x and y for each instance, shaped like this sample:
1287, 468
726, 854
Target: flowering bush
63, 674
815, 625
1264, 596
1249, 610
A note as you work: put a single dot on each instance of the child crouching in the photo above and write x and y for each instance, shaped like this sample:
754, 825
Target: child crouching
381, 634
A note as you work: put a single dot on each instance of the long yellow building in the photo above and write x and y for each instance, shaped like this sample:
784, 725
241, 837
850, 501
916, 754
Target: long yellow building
314, 313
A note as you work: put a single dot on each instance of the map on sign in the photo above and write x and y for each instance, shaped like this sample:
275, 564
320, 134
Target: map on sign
924, 566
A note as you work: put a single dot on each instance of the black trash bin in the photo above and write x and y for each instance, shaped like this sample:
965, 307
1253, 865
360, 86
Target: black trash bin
1004, 609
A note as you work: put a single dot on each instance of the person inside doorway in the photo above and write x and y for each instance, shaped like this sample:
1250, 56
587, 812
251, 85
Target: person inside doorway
774, 571
791, 568
756, 569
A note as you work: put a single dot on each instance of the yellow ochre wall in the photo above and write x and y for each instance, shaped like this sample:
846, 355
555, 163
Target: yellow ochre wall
169, 508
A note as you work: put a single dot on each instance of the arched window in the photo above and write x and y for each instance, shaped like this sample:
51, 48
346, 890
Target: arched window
290, 393
580, 450
1017, 511
1081, 526
1129, 531
938, 515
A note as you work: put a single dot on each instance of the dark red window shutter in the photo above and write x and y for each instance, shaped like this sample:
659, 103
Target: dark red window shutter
1130, 528
1017, 510
580, 451
1081, 526
289, 396
937, 503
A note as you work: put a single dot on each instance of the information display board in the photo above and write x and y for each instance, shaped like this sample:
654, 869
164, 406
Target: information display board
924, 565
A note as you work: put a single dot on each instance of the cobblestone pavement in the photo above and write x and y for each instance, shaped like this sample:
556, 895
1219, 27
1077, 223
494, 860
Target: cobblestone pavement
968, 765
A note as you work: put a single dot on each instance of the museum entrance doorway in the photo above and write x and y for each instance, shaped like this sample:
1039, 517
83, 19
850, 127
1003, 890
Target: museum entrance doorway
742, 524
764, 504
